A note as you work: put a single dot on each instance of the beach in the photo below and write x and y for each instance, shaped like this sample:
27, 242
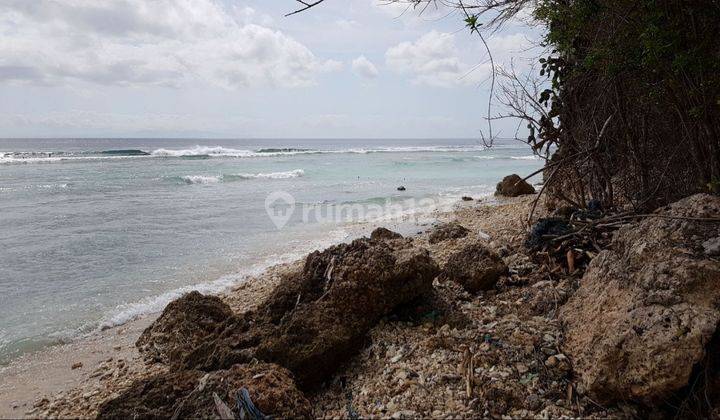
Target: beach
514, 347
412, 366
102, 231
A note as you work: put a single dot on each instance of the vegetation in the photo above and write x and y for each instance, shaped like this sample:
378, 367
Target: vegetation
647, 72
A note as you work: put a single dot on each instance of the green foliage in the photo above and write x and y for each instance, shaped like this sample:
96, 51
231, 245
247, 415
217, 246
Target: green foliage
472, 23
653, 65
662, 40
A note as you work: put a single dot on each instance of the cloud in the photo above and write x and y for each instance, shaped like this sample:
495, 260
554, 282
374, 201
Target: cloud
392, 8
158, 42
363, 67
76, 122
431, 60
412, 13
434, 59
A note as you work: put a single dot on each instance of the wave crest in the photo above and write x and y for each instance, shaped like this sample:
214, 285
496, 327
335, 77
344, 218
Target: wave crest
200, 179
214, 179
272, 175
202, 151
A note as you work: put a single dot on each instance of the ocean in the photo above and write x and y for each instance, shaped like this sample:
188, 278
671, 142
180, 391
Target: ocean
96, 232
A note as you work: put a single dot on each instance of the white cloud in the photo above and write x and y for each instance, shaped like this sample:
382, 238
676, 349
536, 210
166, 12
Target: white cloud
435, 60
431, 60
364, 68
83, 121
141, 42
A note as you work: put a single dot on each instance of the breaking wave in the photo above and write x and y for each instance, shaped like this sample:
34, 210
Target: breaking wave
201, 179
199, 151
271, 175
214, 179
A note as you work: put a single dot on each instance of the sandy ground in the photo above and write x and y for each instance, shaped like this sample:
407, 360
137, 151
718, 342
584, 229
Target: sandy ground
39, 375
46, 384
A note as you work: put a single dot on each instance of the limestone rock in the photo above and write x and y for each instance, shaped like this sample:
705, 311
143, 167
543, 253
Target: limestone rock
189, 394
382, 233
475, 267
184, 324
447, 231
315, 321
712, 246
513, 186
646, 308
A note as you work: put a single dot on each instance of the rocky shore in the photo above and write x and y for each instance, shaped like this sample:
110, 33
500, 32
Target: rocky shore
593, 316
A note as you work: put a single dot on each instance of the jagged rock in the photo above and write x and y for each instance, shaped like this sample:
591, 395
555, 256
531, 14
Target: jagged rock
445, 231
467, 198
382, 233
184, 324
513, 186
315, 321
189, 394
475, 267
646, 308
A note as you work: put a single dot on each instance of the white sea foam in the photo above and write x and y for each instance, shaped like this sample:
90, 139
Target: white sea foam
14, 158
272, 175
218, 151
51, 186
214, 179
529, 157
201, 179
202, 151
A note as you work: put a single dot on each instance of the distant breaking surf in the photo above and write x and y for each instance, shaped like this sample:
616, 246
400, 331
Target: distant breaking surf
211, 152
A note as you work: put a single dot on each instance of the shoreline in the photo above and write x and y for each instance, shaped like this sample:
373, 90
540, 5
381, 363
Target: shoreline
408, 222
110, 361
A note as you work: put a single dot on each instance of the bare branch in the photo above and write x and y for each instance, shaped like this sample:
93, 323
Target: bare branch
306, 6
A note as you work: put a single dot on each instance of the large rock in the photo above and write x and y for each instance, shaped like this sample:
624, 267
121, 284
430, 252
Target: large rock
647, 308
513, 186
317, 319
184, 324
475, 267
382, 233
445, 231
189, 394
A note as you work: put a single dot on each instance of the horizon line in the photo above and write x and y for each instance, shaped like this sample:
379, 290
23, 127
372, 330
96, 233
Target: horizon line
247, 138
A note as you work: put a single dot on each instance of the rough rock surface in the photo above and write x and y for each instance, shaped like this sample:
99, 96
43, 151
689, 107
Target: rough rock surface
189, 394
712, 246
647, 308
184, 324
445, 231
382, 233
513, 186
316, 320
475, 267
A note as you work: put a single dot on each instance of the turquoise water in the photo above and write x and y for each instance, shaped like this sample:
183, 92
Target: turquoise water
98, 231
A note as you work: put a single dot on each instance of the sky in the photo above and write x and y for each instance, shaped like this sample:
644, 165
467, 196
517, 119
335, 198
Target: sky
241, 69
